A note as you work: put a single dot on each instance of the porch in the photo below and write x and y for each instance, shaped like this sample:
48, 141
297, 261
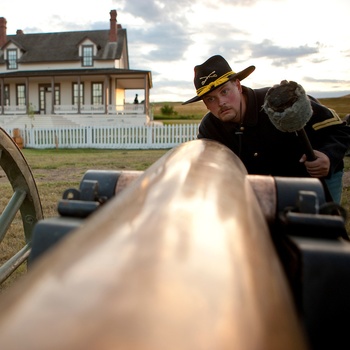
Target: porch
75, 97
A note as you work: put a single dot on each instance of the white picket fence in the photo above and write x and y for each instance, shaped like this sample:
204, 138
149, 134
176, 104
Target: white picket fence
111, 137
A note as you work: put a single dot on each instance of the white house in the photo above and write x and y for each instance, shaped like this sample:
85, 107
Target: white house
70, 77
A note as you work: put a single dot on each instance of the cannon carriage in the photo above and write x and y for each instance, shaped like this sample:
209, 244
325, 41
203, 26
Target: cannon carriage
192, 253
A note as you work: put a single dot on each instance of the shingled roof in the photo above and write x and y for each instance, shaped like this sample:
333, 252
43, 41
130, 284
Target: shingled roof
55, 47
64, 46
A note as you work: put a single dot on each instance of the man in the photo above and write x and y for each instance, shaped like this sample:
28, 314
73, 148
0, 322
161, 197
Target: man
238, 120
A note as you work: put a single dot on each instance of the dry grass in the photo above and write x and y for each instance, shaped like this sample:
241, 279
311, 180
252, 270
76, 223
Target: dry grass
195, 111
341, 105
183, 113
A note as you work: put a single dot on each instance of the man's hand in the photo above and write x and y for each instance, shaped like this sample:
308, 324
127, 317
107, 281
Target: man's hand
318, 167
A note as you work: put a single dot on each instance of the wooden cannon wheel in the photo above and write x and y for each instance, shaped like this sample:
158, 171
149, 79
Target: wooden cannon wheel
25, 199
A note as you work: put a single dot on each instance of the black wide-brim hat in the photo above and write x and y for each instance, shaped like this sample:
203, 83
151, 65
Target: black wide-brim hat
213, 73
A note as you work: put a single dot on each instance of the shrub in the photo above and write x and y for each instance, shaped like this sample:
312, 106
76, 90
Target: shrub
168, 110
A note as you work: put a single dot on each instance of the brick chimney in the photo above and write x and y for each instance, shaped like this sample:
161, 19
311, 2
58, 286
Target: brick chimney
3, 28
113, 26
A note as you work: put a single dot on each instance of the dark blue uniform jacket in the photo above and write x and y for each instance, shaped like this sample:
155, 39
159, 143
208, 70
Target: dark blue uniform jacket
267, 151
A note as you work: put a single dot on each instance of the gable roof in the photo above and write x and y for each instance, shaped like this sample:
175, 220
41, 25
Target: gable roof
56, 47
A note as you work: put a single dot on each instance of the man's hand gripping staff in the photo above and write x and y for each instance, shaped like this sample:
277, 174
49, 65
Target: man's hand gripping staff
289, 109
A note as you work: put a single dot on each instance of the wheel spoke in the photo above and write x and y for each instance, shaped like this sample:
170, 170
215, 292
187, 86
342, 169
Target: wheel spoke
25, 199
10, 211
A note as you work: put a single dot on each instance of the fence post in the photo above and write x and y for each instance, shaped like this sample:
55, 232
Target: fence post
89, 136
149, 129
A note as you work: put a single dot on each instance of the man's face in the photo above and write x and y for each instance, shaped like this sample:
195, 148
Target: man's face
224, 102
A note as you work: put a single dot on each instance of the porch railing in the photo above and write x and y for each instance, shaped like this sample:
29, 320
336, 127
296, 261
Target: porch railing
128, 109
14, 110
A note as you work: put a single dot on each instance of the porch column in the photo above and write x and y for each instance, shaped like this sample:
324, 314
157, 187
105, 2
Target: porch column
106, 99
27, 96
79, 97
110, 98
2, 95
146, 103
53, 95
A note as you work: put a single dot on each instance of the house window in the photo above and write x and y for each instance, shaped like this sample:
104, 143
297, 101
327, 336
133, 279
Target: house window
12, 59
20, 95
57, 95
45, 96
6, 98
97, 93
78, 94
87, 56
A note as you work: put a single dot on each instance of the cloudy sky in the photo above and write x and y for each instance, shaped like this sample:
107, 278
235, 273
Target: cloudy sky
307, 41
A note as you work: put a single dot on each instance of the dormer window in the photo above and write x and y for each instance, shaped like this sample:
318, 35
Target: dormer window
87, 56
12, 59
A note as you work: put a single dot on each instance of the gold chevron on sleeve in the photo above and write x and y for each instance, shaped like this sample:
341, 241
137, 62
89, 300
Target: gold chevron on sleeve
335, 120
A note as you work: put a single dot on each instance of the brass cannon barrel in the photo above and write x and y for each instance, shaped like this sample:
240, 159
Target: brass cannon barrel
264, 188
180, 259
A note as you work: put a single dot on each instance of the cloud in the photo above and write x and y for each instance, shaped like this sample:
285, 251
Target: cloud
327, 81
157, 11
222, 3
58, 22
169, 41
281, 56
163, 30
